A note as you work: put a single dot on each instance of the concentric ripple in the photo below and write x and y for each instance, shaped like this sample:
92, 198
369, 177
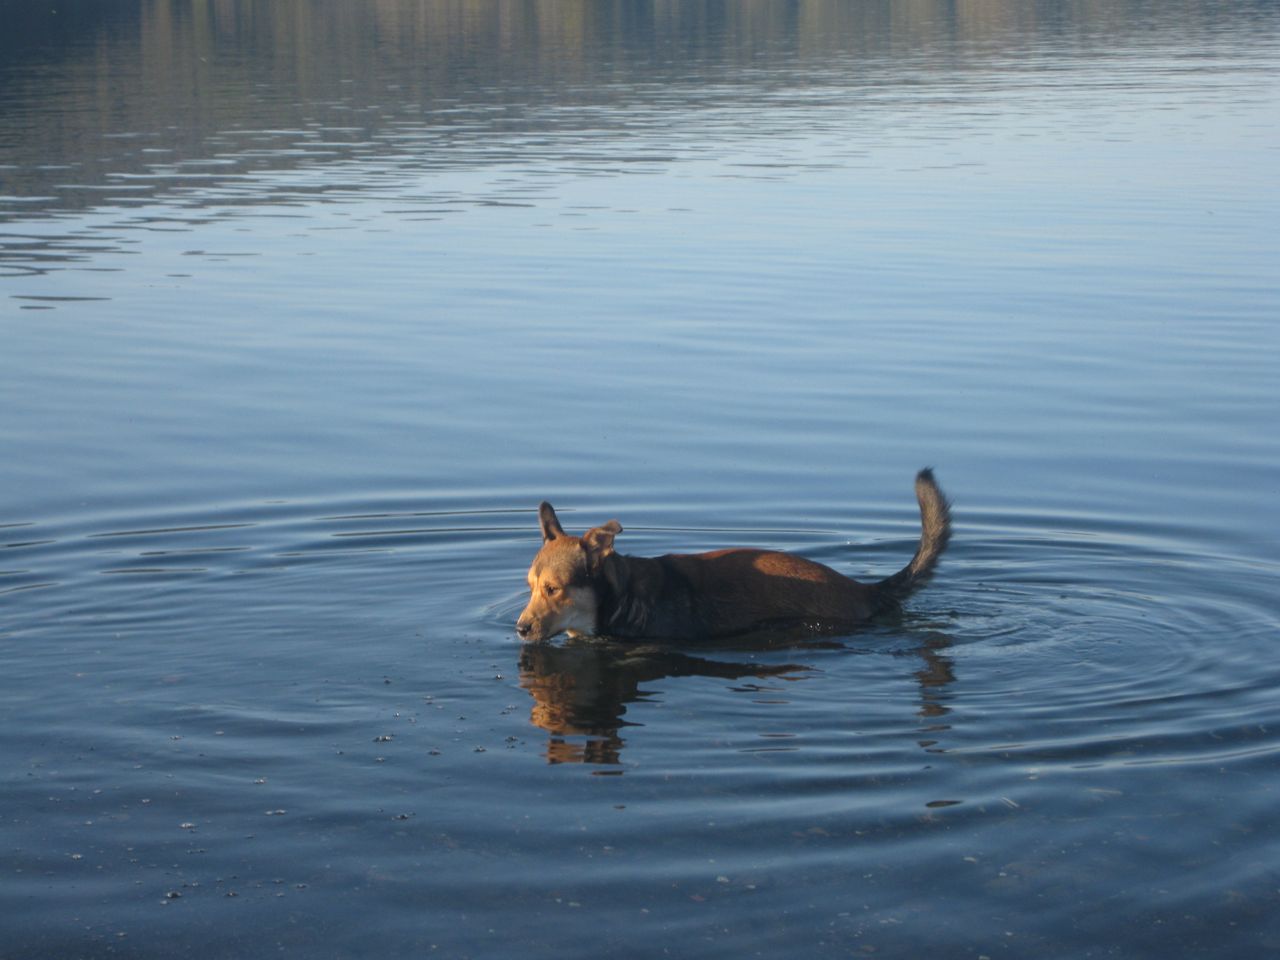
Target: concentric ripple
1099, 646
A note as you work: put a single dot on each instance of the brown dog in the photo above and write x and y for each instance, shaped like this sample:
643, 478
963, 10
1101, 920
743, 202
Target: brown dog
580, 586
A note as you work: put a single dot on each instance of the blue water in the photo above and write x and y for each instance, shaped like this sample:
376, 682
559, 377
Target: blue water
305, 307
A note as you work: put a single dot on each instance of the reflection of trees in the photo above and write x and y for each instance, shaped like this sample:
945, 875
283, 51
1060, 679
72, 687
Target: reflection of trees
175, 72
581, 688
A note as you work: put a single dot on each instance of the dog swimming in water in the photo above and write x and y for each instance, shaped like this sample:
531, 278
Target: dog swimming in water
581, 586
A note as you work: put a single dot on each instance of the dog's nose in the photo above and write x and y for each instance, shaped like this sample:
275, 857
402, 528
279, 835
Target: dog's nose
524, 628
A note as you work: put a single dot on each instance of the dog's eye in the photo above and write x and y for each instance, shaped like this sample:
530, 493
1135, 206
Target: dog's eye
551, 591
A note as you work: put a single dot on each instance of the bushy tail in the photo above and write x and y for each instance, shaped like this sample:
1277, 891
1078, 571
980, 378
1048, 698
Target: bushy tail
935, 531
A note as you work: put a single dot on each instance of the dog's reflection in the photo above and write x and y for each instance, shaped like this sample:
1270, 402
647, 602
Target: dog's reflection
581, 690
935, 676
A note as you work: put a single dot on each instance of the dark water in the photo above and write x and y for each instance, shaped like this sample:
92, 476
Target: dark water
305, 306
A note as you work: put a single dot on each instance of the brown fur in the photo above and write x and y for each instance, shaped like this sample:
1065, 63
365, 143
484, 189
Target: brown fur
579, 585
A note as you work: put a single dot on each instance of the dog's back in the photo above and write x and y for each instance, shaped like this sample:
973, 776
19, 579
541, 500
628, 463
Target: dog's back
734, 591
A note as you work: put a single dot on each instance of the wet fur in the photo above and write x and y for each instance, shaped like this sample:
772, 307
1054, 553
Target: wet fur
580, 585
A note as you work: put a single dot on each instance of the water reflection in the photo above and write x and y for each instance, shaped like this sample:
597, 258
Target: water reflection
934, 677
207, 105
581, 688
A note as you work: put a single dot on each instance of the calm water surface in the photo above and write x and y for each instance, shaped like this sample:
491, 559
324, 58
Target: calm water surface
305, 306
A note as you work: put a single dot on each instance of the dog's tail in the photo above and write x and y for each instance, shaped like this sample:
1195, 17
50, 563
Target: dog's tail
935, 531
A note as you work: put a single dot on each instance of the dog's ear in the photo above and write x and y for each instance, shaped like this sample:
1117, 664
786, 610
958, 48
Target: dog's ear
549, 522
599, 540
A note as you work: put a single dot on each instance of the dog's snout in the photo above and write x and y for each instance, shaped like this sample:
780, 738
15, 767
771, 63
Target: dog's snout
524, 628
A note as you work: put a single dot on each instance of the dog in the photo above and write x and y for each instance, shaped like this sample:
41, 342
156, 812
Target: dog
580, 586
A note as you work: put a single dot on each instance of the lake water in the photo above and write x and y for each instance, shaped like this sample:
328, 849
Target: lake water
305, 306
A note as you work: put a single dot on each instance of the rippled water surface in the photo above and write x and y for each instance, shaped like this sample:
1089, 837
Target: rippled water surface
305, 306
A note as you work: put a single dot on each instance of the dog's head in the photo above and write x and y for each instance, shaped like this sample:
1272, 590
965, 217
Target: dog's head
563, 578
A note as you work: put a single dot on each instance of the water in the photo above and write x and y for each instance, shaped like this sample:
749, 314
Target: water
305, 306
